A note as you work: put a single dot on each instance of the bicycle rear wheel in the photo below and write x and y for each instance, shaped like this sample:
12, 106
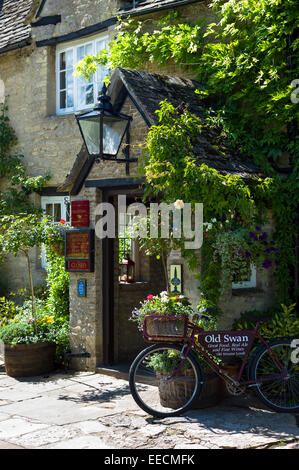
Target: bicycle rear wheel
153, 389
280, 394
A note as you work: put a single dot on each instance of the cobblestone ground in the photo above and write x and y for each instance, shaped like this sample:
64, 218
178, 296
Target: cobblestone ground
95, 411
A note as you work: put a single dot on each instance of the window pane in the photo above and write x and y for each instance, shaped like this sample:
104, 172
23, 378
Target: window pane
89, 94
81, 96
80, 53
69, 59
62, 81
62, 61
70, 98
49, 209
69, 77
57, 212
88, 49
62, 99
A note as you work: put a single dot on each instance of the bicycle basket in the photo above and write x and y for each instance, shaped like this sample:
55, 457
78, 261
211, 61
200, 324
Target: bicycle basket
164, 328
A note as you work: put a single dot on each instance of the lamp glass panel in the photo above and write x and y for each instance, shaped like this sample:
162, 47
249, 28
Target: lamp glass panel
91, 131
113, 131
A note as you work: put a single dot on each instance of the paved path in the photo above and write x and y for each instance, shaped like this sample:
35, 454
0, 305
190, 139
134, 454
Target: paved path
94, 411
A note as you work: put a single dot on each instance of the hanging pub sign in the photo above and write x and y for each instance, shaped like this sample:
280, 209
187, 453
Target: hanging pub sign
80, 213
79, 250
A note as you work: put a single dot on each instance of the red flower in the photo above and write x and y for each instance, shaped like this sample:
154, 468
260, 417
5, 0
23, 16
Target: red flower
62, 221
50, 235
149, 297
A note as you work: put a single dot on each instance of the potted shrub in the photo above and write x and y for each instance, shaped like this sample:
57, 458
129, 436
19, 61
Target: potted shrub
26, 342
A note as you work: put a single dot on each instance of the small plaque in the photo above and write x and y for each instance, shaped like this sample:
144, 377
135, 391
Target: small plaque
81, 288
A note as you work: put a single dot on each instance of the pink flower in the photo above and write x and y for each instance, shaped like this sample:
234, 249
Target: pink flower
30, 320
149, 297
50, 235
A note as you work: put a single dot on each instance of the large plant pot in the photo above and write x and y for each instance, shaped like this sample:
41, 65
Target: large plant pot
174, 394
29, 360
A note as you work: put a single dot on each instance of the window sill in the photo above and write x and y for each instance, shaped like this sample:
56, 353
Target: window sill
138, 284
245, 291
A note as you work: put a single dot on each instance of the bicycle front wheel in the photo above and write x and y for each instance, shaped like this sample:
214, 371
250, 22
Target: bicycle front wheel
152, 386
280, 393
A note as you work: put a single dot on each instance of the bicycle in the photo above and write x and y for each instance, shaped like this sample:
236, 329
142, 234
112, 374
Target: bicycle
166, 379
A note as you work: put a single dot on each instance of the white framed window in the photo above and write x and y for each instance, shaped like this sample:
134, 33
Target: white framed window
76, 93
247, 283
56, 208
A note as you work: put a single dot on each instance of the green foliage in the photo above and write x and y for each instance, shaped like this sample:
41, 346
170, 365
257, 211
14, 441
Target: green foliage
166, 362
284, 322
13, 198
8, 311
245, 61
20, 233
24, 329
58, 285
162, 304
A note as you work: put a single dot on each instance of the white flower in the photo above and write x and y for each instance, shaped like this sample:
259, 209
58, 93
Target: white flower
179, 204
213, 221
163, 294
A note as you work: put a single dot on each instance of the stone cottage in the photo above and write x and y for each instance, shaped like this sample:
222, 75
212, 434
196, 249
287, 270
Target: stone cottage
40, 42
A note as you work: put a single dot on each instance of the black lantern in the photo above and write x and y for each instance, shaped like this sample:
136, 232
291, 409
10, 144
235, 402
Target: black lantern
103, 130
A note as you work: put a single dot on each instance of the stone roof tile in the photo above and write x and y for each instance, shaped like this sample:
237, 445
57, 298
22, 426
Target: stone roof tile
14, 32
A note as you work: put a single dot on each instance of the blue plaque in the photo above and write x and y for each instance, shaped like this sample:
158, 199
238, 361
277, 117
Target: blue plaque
81, 288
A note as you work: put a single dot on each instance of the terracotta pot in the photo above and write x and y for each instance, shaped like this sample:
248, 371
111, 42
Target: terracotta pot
29, 360
175, 393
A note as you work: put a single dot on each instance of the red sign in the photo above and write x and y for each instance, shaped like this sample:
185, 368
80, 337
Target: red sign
226, 343
77, 245
80, 213
82, 265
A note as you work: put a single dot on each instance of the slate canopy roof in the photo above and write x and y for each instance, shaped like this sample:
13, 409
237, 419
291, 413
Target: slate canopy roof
146, 91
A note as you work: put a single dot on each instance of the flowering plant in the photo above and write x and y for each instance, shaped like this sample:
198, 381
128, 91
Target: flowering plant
55, 232
162, 304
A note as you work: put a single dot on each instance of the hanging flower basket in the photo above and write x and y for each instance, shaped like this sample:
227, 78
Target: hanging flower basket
58, 248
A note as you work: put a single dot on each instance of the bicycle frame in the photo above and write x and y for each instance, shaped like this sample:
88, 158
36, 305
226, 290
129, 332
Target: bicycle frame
219, 369
191, 342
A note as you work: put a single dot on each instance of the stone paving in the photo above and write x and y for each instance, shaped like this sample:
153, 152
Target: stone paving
85, 410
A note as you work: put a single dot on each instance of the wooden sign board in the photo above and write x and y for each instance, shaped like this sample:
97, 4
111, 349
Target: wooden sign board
226, 344
79, 250
80, 213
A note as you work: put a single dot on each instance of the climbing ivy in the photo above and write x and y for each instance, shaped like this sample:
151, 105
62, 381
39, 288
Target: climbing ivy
15, 183
246, 61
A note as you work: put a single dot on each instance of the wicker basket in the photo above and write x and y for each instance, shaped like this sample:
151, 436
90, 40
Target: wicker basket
163, 328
